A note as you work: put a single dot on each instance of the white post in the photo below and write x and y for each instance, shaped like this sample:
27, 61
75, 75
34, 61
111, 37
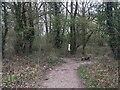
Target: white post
68, 47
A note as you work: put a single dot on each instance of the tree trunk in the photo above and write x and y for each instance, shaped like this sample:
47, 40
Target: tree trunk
18, 28
73, 47
57, 26
83, 30
32, 30
46, 23
4, 33
72, 32
110, 29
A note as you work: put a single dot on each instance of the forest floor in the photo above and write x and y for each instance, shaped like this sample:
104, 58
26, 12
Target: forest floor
52, 71
64, 76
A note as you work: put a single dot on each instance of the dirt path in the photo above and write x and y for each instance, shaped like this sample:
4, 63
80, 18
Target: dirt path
64, 76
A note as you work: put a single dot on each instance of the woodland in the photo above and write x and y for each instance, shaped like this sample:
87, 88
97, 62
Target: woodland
38, 36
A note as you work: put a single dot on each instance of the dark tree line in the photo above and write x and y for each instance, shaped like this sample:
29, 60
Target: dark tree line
111, 25
24, 26
74, 23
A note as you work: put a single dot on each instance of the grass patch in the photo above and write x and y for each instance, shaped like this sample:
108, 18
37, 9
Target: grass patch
102, 74
13, 80
52, 61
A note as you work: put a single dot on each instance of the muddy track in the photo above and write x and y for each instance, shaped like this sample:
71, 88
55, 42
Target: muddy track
64, 76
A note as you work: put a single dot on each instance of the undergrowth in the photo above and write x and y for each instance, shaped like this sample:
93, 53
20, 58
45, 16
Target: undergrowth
102, 74
24, 71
